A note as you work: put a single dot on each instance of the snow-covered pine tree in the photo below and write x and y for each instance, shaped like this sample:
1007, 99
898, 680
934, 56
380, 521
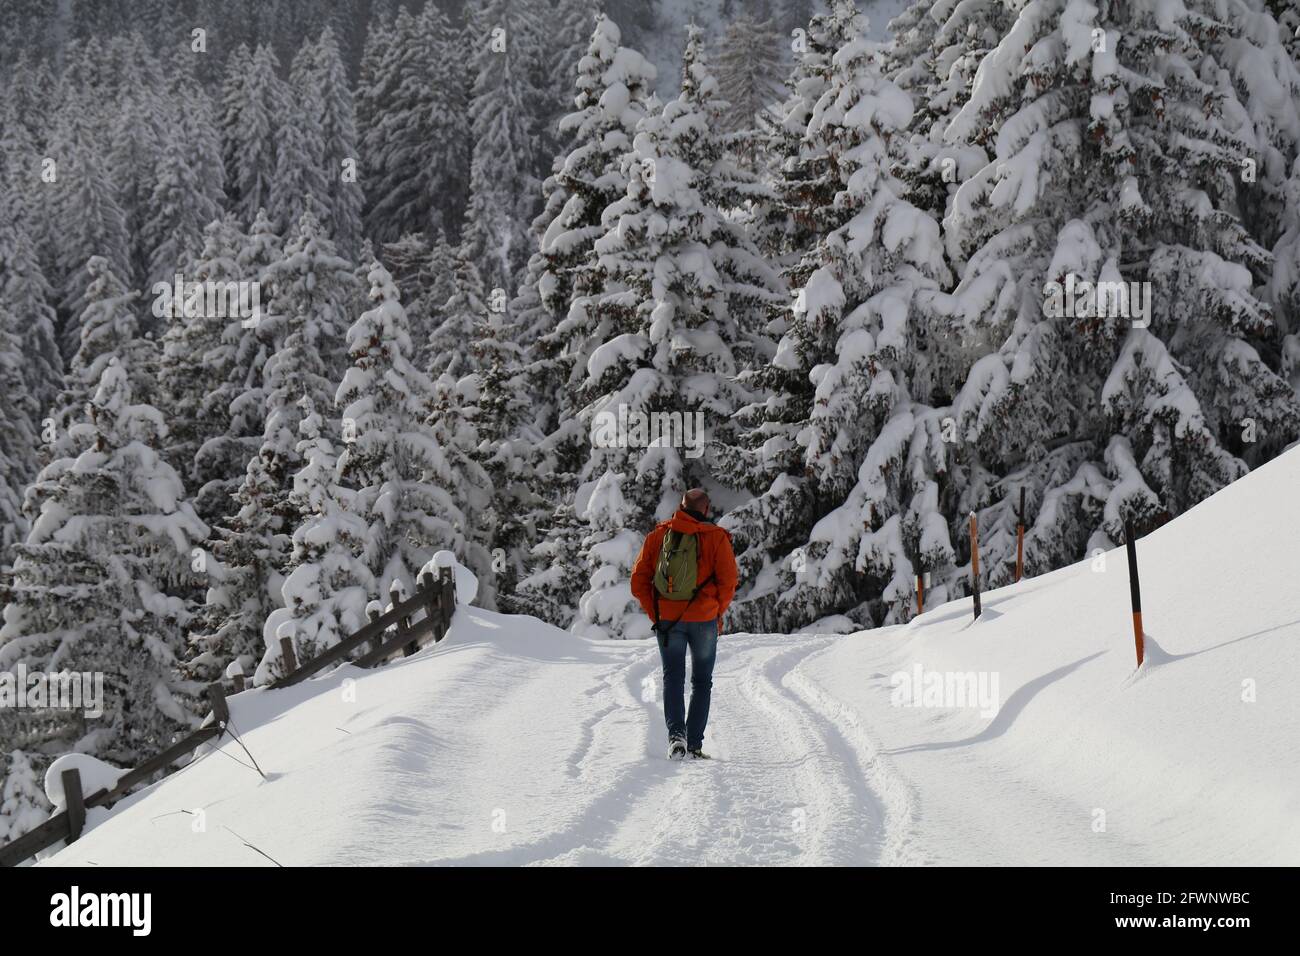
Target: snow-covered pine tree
109, 330
803, 179
909, 54
19, 155
232, 99
1288, 19
328, 585
253, 130
137, 139
936, 50
200, 122
426, 278
466, 419
85, 68
23, 805
853, 503
181, 206
567, 30
18, 439
1112, 164
406, 259
556, 582
235, 409
91, 223
245, 573
26, 294
456, 320
397, 473
376, 88
502, 181
613, 87
607, 610
339, 157
188, 370
361, 273
101, 583
517, 500
311, 286
684, 290
749, 63
300, 186
410, 106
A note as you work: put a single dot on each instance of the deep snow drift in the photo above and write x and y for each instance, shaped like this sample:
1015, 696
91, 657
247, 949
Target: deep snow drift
512, 742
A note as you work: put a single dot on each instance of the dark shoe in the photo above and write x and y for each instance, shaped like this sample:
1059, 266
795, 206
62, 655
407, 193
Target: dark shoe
699, 754
677, 749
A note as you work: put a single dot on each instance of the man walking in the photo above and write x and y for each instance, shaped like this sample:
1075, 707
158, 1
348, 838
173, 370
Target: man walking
685, 578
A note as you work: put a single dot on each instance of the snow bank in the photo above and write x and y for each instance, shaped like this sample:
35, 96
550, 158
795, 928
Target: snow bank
1189, 760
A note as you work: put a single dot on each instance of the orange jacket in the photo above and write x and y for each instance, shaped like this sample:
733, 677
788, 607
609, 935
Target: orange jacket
715, 558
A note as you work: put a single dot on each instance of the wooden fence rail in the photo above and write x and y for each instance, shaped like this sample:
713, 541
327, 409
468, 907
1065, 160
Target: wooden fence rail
435, 599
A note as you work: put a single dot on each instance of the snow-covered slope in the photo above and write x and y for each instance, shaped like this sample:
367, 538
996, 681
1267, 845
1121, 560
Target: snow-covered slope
511, 742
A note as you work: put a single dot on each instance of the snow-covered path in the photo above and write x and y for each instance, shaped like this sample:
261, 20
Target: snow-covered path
523, 751
514, 743
521, 755
775, 793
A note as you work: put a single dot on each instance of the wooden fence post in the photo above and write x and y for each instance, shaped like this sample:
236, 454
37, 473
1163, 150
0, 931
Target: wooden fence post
374, 611
287, 656
75, 801
403, 624
1020, 536
920, 594
432, 601
447, 584
220, 709
235, 671
1134, 589
975, 562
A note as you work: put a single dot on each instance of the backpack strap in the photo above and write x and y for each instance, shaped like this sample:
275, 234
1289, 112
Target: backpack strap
654, 591
711, 579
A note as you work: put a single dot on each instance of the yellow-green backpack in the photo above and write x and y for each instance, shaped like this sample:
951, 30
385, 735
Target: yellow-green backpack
678, 565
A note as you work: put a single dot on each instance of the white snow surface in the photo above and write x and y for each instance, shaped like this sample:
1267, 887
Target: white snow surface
512, 742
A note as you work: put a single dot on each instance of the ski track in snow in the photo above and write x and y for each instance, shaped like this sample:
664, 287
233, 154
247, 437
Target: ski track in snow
789, 783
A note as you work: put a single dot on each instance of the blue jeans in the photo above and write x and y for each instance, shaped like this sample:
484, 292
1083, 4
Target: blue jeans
701, 638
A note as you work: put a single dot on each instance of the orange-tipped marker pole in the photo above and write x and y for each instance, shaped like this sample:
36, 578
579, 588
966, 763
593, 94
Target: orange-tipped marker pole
975, 562
1020, 537
920, 595
1135, 590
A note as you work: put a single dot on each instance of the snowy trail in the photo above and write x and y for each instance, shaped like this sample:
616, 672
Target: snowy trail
514, 755
773, 794
512, 742
517, 755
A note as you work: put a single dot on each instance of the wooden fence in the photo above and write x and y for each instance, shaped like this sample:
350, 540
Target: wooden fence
435, 598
